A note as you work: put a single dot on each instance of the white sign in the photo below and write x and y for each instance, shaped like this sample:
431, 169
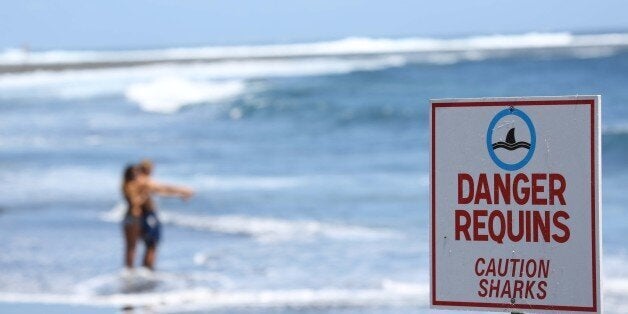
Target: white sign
515, 204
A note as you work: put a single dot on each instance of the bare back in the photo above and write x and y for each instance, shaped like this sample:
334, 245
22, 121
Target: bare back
134, 197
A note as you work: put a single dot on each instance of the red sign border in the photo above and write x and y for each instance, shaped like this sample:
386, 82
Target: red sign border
505, 103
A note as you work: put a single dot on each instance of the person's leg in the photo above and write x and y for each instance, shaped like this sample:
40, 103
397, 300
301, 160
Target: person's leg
151, 229
149, 255
131, 235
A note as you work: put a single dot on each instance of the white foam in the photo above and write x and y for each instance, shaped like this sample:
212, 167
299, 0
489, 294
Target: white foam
195, 299
390, 293
272, 229
615, 294
166, 87
347, 46
115, 214
167, 95
263, 229
141, 280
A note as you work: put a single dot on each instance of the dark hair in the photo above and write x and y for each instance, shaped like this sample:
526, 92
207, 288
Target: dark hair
129, 173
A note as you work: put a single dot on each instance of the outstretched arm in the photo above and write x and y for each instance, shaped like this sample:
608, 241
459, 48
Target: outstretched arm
170, 190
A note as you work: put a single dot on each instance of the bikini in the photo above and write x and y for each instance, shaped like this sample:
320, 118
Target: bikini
151, 227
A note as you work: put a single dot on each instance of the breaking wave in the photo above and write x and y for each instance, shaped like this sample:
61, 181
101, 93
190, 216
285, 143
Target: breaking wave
167, 95
342, 47
165, 80
165, 88
264, 229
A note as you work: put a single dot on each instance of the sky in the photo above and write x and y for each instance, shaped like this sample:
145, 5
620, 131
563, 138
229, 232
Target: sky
126, 24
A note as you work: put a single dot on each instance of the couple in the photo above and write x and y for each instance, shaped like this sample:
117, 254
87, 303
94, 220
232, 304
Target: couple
141, 220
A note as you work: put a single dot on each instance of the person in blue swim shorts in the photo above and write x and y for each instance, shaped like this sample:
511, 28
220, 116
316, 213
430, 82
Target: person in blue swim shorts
142, 217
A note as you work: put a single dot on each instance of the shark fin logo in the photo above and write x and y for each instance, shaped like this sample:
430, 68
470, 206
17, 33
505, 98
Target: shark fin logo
510, 143
507, 151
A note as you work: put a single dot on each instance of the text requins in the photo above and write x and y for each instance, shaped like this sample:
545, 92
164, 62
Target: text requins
529, 225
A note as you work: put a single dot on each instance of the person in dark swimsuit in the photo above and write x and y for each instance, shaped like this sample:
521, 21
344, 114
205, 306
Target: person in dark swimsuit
131, 224
150, 225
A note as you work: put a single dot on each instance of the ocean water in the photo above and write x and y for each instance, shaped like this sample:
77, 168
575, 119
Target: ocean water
310, 163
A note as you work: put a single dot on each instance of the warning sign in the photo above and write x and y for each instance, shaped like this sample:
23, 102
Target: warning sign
515, 204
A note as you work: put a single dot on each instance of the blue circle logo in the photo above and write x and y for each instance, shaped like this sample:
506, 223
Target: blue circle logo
508, 153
